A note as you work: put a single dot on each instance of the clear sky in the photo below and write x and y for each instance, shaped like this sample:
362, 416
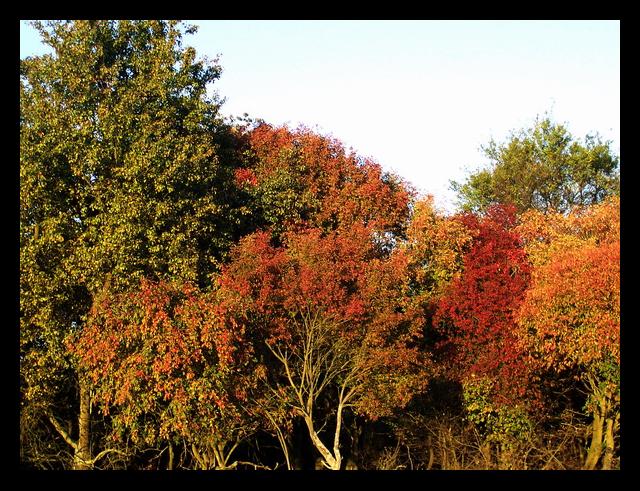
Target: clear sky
419, 97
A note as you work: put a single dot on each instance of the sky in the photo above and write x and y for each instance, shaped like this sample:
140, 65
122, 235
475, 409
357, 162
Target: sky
418, 97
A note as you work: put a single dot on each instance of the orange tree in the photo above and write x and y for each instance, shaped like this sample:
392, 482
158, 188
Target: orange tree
330, 319
169, 370
570, 319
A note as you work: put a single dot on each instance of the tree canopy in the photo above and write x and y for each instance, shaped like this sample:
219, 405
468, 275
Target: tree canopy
209, 292
126, 172
542, 168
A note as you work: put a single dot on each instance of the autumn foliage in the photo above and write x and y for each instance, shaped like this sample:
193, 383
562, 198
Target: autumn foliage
165, 366
437, 246
570, 318
574, 307
203, 294
298, 176
477, 315
572, 311
337, 277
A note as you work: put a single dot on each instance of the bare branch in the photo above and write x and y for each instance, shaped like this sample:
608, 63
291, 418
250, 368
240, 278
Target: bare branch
106, 452
254, 465
62, 433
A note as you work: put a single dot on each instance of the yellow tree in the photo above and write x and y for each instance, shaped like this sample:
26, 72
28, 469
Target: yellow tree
570, 318
436, 245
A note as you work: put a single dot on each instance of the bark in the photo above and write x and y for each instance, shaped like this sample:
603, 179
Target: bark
170, 464
431, 454
81, 447
82, 457
332, 462
202, 460
336, 437
504, 457
595, 449
64, 434
485, 450
609, 445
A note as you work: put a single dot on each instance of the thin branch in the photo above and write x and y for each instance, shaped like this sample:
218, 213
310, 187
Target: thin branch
105, 452
279, 435
62, 433
233, 447
284, 360
255, 466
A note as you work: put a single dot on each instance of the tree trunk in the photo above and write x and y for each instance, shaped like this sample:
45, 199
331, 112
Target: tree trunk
82, 456
485, 451
203, 460
505, 457
336, 437
170, 463
595, 449
356, 440
609, 445
333, 462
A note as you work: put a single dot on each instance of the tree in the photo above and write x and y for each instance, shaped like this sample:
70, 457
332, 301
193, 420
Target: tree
436, 245
542, 168
299, 177
476, 314
126, 171
332, 323
169, 370
570, 318
476, 318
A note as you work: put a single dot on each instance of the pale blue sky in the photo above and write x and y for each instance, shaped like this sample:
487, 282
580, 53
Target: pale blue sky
419, 97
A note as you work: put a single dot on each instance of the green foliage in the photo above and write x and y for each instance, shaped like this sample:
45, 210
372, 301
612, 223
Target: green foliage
124, 174
499, 422
605, 376
542, 168
282, 199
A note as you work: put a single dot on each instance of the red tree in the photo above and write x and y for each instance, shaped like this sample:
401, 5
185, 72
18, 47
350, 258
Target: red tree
476, 315
298, 176
333, 321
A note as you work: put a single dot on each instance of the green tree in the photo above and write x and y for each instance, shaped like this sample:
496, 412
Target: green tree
126, 171
543, 168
